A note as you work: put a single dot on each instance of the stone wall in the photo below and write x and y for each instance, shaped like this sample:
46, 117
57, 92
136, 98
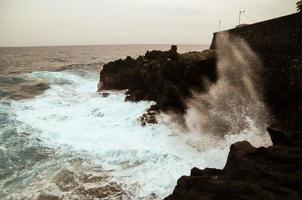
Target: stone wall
278, 42
281, 34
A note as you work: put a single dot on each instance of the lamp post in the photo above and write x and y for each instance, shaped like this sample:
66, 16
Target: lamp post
240, 12
219, 24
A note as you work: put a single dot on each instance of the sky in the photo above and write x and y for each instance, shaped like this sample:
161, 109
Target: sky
85, 22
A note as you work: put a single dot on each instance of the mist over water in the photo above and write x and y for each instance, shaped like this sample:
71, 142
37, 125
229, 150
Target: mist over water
72, 143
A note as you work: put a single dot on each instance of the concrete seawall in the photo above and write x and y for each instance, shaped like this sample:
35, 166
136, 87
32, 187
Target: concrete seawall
281, 34
278, 42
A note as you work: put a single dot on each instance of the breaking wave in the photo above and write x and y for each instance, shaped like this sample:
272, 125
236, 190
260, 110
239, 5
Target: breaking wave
73, 143
233, 107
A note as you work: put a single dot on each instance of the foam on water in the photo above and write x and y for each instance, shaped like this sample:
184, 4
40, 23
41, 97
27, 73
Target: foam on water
90, 135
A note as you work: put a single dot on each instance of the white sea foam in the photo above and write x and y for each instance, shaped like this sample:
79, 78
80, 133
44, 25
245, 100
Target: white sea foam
76, 121
232, 109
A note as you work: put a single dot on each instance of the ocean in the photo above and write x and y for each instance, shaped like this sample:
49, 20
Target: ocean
61, 139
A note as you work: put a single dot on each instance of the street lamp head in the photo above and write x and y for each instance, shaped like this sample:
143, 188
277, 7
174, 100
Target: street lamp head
240, 12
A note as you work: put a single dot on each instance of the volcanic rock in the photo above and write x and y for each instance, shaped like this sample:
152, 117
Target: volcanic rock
165, 77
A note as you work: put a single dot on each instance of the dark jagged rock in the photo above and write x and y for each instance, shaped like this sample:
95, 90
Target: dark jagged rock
272, 173
150, 116
254, 173
165, 77
250, 173
105, 94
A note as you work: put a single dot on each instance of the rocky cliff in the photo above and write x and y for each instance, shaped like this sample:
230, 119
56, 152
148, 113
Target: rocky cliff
250, 173
263, 173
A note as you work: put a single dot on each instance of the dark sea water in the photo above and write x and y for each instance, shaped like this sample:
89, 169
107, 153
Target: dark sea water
60, 139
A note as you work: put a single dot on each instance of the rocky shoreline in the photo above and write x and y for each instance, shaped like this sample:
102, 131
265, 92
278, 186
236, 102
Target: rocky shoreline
165, 77
168, 78
254, 173
263, 173
250, 173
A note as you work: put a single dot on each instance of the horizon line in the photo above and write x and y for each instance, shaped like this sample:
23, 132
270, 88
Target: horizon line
123, 44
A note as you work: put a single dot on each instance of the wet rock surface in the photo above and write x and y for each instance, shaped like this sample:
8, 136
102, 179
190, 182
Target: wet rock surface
250, 173
165, 77
255, 173
262, 173
74, 185
149, 117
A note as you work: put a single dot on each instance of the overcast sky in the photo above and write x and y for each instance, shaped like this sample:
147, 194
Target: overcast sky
72, 22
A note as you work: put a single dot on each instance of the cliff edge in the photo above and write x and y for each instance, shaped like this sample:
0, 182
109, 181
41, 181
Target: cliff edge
168, 78
262, 173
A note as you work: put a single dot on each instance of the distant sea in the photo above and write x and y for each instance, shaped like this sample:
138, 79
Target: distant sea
27, 59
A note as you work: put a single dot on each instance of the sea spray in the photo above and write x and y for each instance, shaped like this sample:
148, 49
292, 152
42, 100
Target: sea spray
232, 108
94, 147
